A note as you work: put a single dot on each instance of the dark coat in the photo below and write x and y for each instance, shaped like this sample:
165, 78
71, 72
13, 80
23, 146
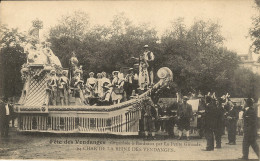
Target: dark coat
181, 112
250, 123
212, 117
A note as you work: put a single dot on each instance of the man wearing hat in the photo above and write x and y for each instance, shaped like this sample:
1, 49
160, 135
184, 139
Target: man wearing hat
128, 85
149, 56
250, 129
184, 114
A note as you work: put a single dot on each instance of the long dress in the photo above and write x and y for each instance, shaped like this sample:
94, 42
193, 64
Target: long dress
117, 83
143, 79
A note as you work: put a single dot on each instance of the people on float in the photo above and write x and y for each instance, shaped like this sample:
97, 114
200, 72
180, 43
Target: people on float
52, 58
128, 85
149, 56
143, 78
149, 116
91, 85
73, 64
184, 114
77, 84
105, 99
52, 88
118, 91
105, 79
64, 88
99, 85
250, 129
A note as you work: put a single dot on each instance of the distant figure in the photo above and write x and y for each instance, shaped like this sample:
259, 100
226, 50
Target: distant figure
149, 56
184, 114
240, 122
4, 117
250, 129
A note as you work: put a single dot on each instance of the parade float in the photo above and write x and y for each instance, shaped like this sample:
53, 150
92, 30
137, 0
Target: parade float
41, 108
37, 112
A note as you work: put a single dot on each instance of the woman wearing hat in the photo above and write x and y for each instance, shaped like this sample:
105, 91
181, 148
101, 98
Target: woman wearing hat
91, 84
105, 99
118, 91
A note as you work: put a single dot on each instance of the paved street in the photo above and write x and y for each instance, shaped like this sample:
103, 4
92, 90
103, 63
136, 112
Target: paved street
24, 146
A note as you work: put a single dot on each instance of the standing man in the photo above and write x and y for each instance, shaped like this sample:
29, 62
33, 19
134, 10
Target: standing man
232, 117
4, 117
184, 114
149, 57
210, 123
250, 129
149, 115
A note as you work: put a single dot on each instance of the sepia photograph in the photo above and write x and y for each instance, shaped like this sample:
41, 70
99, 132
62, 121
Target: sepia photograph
130, 80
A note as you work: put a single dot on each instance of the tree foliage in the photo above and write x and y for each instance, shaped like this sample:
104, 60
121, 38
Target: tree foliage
12, 57
255, 30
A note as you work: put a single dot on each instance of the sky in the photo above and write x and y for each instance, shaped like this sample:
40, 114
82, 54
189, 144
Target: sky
235, 16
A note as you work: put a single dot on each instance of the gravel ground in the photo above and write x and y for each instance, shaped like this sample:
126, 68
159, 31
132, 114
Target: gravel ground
107, 147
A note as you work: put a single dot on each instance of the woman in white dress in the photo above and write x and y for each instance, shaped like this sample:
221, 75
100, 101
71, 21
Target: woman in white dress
91, 84
99, 85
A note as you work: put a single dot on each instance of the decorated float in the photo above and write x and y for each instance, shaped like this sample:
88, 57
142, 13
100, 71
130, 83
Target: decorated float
52, 98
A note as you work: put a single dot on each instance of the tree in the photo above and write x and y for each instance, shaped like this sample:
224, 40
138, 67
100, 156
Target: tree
12, 57
254, 31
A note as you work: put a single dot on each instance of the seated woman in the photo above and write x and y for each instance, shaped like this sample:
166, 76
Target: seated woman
105, 99
118, 91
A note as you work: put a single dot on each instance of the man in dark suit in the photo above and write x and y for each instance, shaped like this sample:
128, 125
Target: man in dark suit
212, 124
184, 114
4, 118
250, 129
232, 117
